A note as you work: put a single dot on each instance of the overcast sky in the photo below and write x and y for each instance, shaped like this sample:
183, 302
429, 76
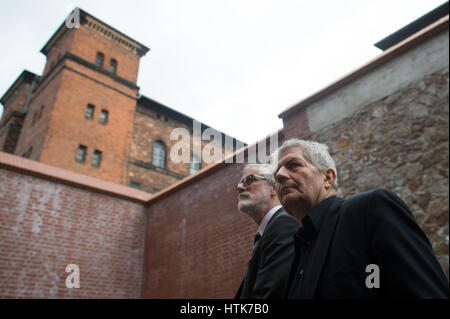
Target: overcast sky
231, 64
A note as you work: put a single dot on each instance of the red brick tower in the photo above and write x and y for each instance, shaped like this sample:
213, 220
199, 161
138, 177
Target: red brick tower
80, 113
84, 113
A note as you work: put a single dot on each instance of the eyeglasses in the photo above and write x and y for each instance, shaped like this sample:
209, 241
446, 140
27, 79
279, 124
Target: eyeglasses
248, 180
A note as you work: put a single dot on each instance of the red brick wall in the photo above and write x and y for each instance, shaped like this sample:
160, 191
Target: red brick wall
16, 101
296, 125
87, 42
4, 132
197, 244
65, 92
33, 135
147, 129
60, 47
9, 136
46, 225
69, 128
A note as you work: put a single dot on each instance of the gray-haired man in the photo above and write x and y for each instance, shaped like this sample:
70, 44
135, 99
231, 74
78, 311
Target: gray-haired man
366, 246
273, 250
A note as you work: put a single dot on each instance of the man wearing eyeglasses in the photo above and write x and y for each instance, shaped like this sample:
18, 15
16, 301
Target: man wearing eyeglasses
273, 249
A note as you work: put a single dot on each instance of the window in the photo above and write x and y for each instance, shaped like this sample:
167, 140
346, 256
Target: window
97, 158
40, 112
135, 185
81, 153
103, 116
195, 164
99, 59
90, 111
155, 190
113, 66
159, 154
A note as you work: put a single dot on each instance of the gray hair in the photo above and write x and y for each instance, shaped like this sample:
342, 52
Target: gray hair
314, 152
264, 169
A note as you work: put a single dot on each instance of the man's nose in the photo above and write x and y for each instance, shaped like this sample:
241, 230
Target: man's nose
281, 175
240, 187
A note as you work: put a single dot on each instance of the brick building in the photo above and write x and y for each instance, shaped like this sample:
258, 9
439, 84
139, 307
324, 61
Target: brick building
85, 114
386, 124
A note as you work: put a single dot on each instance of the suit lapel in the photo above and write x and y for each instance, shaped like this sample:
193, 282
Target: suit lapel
239, 292
321, 249
278, 212
253, 265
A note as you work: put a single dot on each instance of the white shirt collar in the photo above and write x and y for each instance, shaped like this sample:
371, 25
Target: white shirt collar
266, 219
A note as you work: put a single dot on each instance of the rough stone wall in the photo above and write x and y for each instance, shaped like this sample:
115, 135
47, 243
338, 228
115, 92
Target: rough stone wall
46, 225
401, 143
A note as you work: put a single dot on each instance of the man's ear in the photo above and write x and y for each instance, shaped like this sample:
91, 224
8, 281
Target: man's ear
329, 178
273, 190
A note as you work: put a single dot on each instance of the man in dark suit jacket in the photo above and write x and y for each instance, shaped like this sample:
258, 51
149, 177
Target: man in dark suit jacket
367, 246
273, 249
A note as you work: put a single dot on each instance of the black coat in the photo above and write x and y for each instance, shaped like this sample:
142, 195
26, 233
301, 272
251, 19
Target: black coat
374, 227
268, 269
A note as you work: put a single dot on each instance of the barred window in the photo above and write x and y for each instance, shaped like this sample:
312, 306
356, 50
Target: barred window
103, 116
81, 153
113, 66
90, 111
99, 59
97, 158
159, 154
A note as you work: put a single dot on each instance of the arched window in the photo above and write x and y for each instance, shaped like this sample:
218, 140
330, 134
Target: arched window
159, 154
195, 164
99, 59
113, 66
